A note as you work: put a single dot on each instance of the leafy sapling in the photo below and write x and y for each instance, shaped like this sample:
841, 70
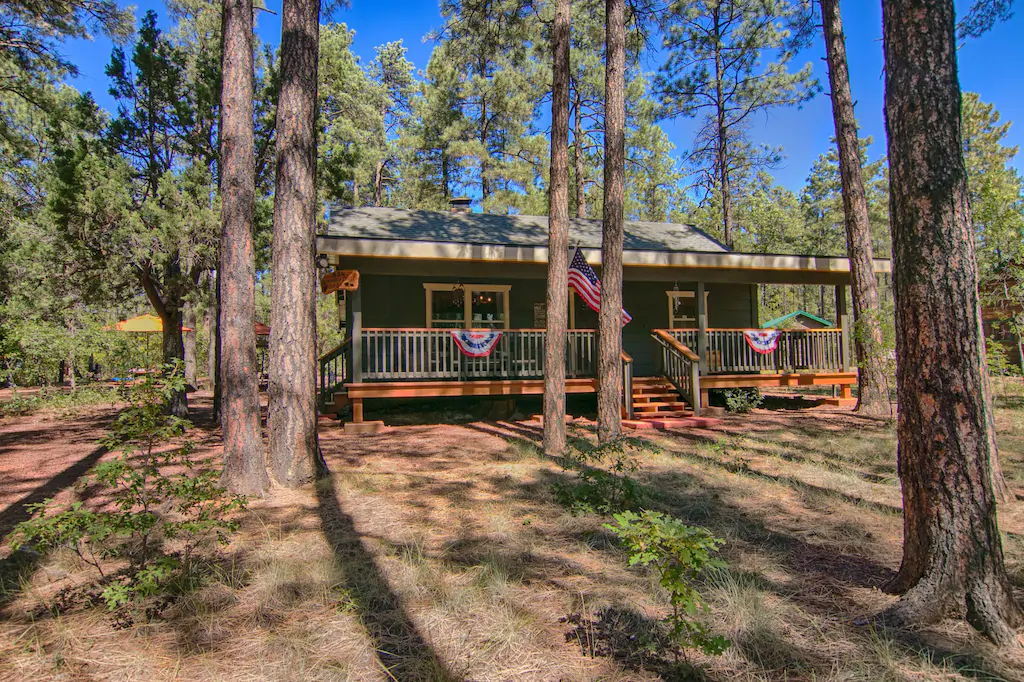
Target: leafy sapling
679, 554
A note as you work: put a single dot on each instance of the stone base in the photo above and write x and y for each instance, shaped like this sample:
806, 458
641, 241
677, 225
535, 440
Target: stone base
363, 427
840, 402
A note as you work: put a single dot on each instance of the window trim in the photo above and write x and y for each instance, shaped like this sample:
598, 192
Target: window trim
674, 294
468, 291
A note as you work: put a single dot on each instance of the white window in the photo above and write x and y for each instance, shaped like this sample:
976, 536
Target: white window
467, 306
682, 309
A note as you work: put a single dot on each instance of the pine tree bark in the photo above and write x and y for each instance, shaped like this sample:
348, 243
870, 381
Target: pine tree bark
211, 331
872, 393
558, 239
609, 333
245, 468
294, 450
577, 157
952, 553
189, 341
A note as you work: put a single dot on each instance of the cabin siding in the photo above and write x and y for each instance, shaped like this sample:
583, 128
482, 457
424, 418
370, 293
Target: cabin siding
400, 301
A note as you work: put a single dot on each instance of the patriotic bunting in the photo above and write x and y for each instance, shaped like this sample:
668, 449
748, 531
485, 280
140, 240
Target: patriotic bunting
763, 341
476, 344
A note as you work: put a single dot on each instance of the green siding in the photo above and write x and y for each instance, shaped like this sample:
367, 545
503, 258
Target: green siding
399, 301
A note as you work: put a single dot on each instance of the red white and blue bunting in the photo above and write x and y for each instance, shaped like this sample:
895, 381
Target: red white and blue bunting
476, 344
763, 341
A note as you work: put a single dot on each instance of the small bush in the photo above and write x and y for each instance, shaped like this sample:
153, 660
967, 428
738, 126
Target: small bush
679, 554
742, 400
605, 482
159, 500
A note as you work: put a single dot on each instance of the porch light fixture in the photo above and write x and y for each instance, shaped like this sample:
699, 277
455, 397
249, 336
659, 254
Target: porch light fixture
322, 261
458, 294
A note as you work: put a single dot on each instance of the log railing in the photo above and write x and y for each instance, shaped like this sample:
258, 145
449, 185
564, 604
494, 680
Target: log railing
411, 354
801, 350
681, 366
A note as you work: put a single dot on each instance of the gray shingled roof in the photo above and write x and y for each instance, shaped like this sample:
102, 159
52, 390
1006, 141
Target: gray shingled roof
507, 230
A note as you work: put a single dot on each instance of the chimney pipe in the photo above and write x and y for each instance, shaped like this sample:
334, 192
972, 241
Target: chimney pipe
461, 205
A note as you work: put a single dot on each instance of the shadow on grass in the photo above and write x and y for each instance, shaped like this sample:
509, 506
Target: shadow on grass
400, 647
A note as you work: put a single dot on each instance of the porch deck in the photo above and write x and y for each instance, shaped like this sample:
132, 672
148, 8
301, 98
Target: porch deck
418, 363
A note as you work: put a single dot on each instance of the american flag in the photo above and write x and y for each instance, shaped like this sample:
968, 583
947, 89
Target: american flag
584, 280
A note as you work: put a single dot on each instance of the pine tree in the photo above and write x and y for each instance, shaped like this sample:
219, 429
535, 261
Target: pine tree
245, 468
558, 238
715, 71
952, 553
872, 391
609, 333
294, 449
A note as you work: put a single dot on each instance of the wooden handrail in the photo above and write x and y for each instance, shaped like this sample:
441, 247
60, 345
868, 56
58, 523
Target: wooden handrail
751, 329
334, 351
675, 345
449, 329
626, 357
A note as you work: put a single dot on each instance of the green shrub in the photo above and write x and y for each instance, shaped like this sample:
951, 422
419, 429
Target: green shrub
742, 400
604, 482
159, 500
679, 554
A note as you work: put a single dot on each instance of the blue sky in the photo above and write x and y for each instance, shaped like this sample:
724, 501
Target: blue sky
990, 65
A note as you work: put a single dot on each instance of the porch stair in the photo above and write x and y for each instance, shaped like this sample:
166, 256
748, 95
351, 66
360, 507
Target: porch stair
656, 398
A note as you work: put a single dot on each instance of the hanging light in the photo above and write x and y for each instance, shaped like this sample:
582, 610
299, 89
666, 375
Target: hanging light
458, 295
676, 300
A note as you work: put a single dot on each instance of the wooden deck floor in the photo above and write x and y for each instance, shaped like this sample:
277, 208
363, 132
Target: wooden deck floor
356, 393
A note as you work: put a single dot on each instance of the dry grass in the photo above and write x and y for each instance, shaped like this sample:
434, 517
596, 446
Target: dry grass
439, 553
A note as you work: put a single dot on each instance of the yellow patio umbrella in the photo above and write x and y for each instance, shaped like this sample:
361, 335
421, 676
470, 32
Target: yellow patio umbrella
144, 324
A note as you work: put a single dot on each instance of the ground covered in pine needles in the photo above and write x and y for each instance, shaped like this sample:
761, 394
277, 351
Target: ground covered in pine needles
441, 552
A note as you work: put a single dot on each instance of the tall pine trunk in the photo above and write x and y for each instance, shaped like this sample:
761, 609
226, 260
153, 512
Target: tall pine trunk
558, 239
609, 333
189, 341
872, 393
577, 157
245, 468
952, 553
294, 449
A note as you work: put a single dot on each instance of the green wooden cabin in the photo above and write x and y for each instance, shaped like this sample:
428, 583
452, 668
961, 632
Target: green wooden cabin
423, 273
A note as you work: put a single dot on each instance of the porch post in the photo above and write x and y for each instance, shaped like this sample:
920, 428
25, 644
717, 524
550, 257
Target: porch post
702, 329
356, 332
843, 319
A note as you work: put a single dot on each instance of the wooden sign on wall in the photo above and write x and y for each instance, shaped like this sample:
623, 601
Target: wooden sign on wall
340, 280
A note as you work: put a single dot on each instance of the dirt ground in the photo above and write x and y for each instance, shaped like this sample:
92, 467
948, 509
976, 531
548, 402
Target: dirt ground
440, 552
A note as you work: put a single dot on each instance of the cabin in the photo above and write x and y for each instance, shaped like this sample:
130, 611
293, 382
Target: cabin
798, 319
423, 275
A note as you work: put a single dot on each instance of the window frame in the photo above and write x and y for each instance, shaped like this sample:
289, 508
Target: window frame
467, 312
673, 294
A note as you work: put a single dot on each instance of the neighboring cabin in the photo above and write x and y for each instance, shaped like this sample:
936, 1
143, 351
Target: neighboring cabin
798, 319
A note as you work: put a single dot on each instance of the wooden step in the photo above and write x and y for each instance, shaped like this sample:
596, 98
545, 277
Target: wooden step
647, 407
662, 415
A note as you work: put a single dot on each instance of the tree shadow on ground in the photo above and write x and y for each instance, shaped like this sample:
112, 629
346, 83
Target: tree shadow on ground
400, 647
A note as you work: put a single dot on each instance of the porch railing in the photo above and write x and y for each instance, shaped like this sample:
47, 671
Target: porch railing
681, 366
726, 350
334, 369
423, 354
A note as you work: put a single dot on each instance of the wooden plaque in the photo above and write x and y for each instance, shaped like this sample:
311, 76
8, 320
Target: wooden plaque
340, 280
